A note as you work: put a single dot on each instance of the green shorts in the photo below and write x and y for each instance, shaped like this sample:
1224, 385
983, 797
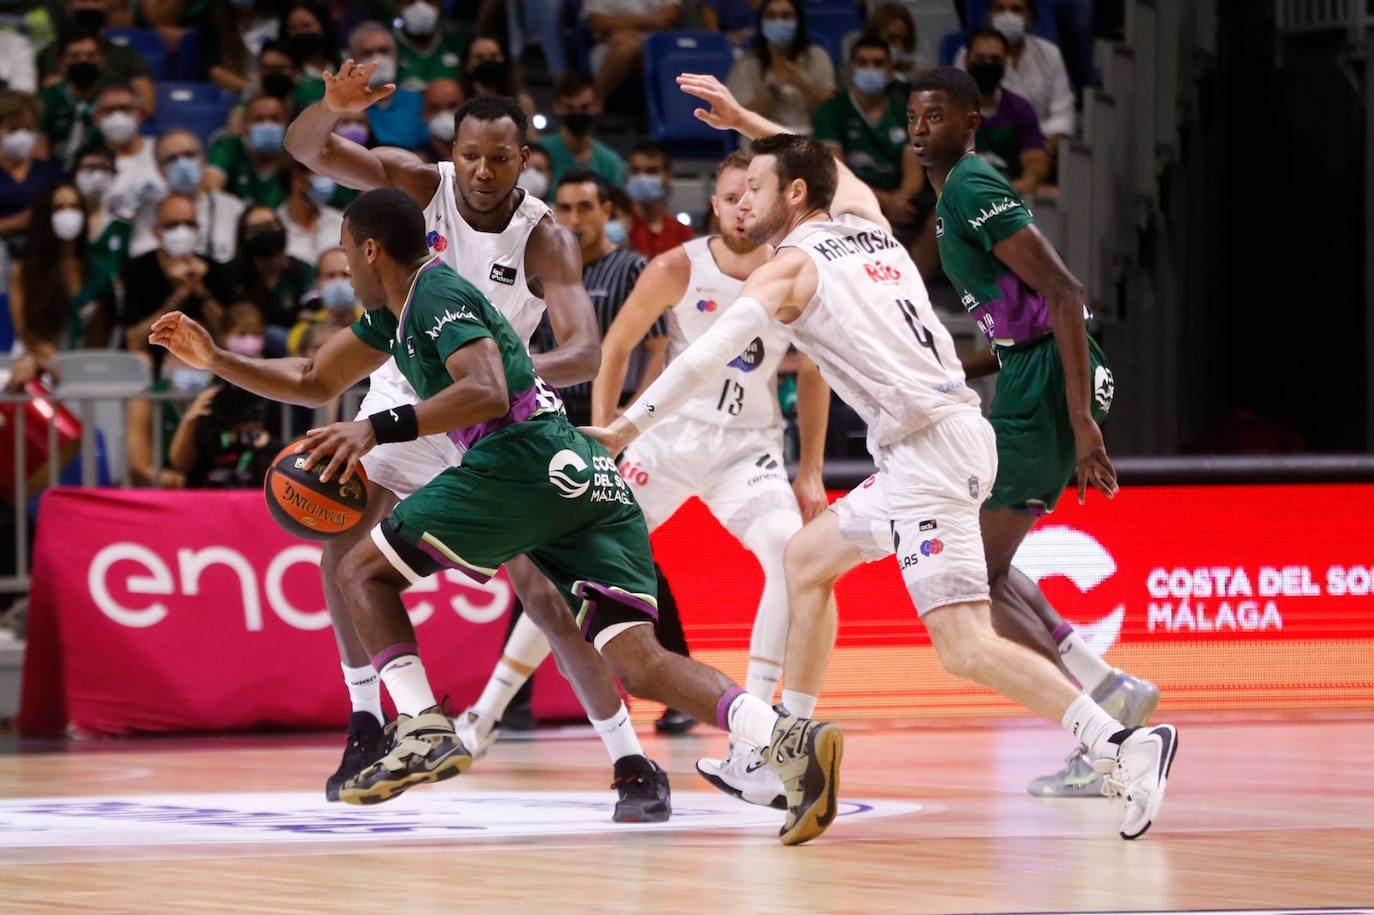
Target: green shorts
1035, 447
542, 489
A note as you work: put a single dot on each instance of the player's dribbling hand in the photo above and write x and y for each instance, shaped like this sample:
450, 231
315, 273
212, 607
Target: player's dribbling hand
1094, 467
725, 113
348, 89
615, 438
343, 443
185, 338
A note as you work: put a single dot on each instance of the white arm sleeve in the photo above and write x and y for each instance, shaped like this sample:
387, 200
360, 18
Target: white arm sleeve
700, 363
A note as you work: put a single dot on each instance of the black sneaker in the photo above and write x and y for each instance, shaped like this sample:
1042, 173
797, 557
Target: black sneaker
517, 717
368, 742
644, 793
674, 722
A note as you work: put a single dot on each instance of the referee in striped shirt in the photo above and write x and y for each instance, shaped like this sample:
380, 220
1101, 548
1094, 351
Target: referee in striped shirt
583, 206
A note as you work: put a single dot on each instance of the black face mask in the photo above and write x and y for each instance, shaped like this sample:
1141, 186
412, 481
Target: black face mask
304, 46
88, 22
987, 76
493, 73
266, 243
278, 84
580, 123
83, 74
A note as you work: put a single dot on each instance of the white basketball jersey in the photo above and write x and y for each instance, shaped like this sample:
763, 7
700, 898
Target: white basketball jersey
871, 331
494, 262
746, 395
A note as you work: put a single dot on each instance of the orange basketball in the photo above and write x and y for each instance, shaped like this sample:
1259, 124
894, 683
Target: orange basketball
307, 508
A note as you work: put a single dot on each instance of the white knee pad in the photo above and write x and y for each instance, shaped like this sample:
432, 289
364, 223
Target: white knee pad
767, 539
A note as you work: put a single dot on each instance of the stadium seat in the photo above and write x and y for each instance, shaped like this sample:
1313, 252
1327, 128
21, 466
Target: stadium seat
190, 56
103, 373
950, 46
828, 25
201, 108
1045, 25
149, 46
671, 121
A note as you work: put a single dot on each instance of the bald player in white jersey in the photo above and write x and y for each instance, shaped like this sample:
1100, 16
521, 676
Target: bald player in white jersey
725, 447
508, 245
853, 301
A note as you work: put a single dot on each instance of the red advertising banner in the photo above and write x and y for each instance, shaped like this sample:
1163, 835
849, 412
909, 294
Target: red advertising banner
192, 611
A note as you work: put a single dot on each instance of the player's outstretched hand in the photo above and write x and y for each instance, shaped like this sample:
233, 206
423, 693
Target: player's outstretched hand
725, 113
1094, 467
348, 89
185, 338
343, 444
614, 438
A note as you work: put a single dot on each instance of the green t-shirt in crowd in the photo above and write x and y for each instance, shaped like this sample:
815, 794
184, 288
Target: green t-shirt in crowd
241, 177
604, 161
872, 151
416, 69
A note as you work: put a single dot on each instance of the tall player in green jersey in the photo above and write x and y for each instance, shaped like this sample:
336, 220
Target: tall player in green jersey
1053, 390
529, 484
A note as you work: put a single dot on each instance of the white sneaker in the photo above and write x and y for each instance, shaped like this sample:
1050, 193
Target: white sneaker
744, 774
476, 732
1141, 774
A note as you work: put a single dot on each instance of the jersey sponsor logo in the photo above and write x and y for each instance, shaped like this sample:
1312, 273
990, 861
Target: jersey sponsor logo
928, 525
939, 227
410, 346
437, 242
769, 465
559, 464
502, 274
751, 358
448, 317
883, 273
635, 472
707, 305
1104, 388
973, 487
984, 214
867, 241
932, 547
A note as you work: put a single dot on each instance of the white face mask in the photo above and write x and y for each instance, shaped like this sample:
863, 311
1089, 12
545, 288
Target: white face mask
119, 126
94, 182
67, 224
18, 144
441, 126
1011, 25
385, 72
179, 241
420, 18
535, 182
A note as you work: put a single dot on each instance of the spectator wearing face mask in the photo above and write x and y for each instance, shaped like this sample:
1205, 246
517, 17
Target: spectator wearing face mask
438, 104
278, 77
138, 182
171, 278
893, 23
621, 27
331, 304
108, 234
424, 51
236, 31
395, 120
312, 225
617, 228
783, 77
182, 163
23, 175
270, 278
117, 64
534, 178
309, 42
1009, 136
487, 71
67, 102
653, 230
247, 166
1034, 69
575, 146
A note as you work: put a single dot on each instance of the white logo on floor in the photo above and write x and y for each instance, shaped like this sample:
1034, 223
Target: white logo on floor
178, 819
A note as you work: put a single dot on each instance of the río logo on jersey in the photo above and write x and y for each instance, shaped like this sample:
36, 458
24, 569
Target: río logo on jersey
462, 314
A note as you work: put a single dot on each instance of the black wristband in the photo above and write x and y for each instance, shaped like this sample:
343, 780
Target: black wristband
399, 424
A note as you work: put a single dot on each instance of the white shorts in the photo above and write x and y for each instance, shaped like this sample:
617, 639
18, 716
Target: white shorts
403, 467
922, 505
738, 473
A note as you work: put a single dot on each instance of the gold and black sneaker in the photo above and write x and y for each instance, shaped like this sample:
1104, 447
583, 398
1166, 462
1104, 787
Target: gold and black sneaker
424, 749
806, 754
368, 741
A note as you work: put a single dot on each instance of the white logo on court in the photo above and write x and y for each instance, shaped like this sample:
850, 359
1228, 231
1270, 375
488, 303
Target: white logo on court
566, 485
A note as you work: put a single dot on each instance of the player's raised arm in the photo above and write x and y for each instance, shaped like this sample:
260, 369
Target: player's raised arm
552, 255
340, 363
658, 288
778, 290
312, 142
726, 113
813, 418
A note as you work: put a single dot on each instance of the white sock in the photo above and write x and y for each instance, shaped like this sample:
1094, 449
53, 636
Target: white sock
762, 679
1093, 727
504, 683
803, 705
407, 684
751, 720
618, 735
1089, 669
364, 690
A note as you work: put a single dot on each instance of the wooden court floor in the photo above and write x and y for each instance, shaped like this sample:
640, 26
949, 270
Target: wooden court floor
1261, 814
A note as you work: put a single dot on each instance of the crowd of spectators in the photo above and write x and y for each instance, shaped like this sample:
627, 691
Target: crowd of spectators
112, 212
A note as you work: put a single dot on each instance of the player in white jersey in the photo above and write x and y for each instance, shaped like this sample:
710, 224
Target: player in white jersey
506, 243
724, 446
852, 300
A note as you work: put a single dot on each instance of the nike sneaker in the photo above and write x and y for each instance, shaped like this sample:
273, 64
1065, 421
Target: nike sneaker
424, 749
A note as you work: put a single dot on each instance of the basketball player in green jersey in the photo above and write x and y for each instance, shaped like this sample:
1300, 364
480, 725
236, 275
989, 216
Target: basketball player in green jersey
529, 483
1053, 390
